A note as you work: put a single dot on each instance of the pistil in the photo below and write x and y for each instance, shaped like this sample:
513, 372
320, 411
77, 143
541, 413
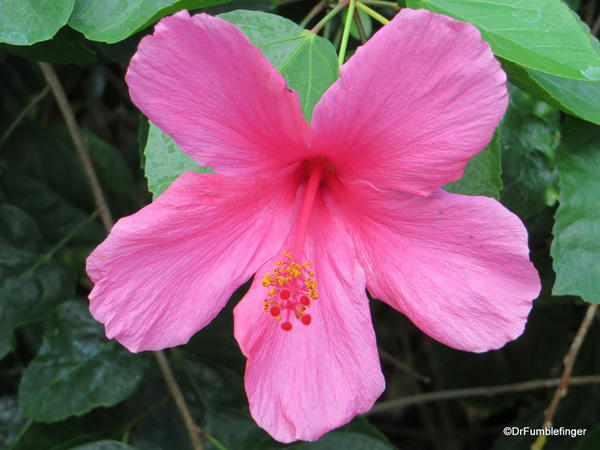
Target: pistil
310, 193
292, 286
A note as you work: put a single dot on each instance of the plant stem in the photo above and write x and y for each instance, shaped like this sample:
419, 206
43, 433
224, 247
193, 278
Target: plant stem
346, 33
327, 31
589, 13
569, 361
478, 392
382, 4
403, 367
107, 220
313, 12
78, 142
374, 14
359, 27
193, 429
330, 15
337, 38
596, 25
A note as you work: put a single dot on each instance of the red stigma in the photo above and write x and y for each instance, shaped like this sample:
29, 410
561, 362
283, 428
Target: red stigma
291, 289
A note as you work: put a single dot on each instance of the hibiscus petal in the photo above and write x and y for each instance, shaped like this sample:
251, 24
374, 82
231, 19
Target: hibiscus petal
201, 81
166, 271
414, 103
307, 381
456, 265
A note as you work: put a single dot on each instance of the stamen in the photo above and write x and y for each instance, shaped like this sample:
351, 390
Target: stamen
292, 286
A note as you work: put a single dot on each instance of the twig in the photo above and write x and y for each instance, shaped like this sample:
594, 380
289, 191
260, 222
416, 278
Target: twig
382, 4
107, 220
426, 415
374, 14
403, 367
320, 6
565, 379
79, 142
346, 32
359, 27
569, 361
34, 101
193, 429
478, 392
596, 26
330, 15
590, 10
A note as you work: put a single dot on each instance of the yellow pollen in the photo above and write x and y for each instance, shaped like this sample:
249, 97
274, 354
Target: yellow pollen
289, 285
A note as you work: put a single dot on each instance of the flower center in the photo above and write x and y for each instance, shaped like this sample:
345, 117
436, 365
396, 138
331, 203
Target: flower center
292, 285
292, 289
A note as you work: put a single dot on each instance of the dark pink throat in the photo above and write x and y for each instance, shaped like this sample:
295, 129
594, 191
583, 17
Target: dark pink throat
292, 286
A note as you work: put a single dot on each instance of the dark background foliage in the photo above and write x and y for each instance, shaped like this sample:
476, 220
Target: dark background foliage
63, 385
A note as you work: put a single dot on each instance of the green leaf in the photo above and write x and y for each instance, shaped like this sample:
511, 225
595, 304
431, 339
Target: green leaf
573, 4
482, 175
11, 420
104, 445
31, 283
165, 161
43, 171
116, 20
576, 246
544, 35
68, 46
77, 369
348, 440
575, 97
25, 22
114, 174
307, 62
529, 139
365, 20
100, 424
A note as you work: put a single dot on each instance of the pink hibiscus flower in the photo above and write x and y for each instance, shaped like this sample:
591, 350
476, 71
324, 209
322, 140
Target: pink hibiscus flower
318, 212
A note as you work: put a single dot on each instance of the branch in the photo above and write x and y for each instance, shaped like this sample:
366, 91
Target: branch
330, 15
478, 392
589, 13
107, 220
359, 27
79, 142
403, 366
193, 429
313, 12
569, 361
382, 4
596, 26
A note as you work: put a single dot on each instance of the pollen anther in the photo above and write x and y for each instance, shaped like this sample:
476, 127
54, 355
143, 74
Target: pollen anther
292, 286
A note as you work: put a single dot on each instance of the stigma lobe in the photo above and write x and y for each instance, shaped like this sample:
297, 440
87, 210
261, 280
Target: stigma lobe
292, 289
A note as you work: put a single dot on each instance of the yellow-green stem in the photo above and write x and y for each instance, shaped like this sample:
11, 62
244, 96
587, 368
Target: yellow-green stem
371, 12
382, 4
330, 15
346, 33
